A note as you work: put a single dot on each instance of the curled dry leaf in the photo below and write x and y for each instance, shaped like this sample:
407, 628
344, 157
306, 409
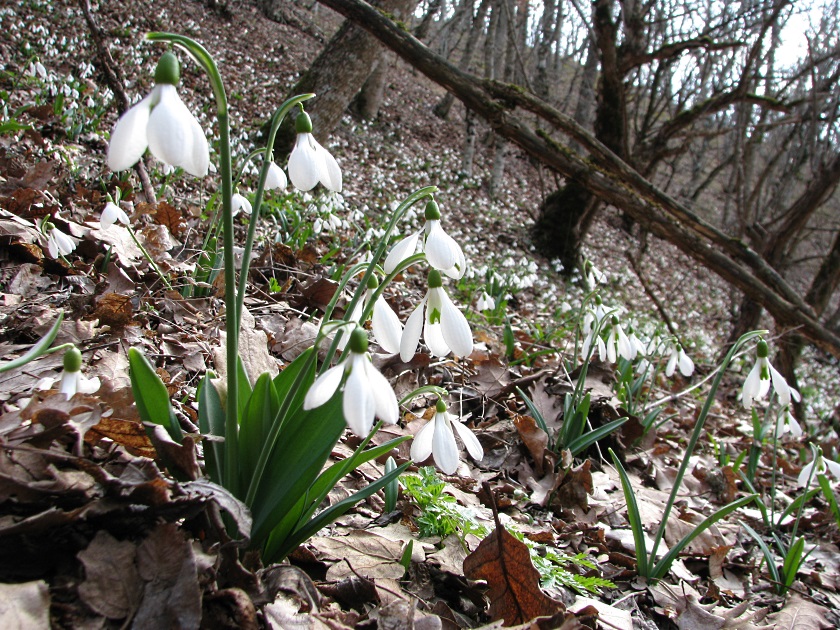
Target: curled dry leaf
505, 564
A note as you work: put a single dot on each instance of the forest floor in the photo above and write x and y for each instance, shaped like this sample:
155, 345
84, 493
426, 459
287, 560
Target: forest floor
95, 535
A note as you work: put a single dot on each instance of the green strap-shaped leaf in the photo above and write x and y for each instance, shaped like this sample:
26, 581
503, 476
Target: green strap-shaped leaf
151, 395
662, 567
40, 347
634, 517
768, 555
211, 421
586, 440
255, 425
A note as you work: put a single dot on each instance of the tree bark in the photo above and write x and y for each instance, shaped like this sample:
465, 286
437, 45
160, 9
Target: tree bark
604, 174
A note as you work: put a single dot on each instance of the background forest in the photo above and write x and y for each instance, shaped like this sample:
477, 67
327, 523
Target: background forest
658, 172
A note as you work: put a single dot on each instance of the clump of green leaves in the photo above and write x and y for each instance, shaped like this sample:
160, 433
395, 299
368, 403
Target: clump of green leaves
440, 513
442, 516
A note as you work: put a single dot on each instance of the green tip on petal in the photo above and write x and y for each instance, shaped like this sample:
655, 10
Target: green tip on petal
168, 69
358, 341
440, 407
72, 360
435, 279
372, 282
761, 349
432, 211
303, 123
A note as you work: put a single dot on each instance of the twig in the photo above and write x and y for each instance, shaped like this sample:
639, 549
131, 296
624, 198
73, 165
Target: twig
653, 297
115, 82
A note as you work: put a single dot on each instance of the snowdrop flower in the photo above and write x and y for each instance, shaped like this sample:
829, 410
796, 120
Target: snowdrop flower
385, 325
442, 252
819, 466
635, 342
437, 438
485, 302
762, 374
72, 381
239, 202
276, 178
162, 123
367, 394
786, 423
111, 214
444, 327
679, 358
593, 275
58, 243
618, 345
311, 163
37, 68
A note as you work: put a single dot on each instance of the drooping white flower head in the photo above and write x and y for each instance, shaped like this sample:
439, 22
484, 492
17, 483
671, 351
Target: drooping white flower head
163, 124
311, 163
762, 374
437, 439
819, 466
72, 381
366, 394
276, 178
618, 344
679, 358
635, 342
444, 327
786, 423
485, 302
385, 325
240, 202
592, 275
442, 251
58, 243
112, 213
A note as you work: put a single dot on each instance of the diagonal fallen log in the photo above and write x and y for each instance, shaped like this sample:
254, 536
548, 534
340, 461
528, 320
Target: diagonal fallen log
604, 173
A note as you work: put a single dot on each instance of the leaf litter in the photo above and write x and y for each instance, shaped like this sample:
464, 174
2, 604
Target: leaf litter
95, 531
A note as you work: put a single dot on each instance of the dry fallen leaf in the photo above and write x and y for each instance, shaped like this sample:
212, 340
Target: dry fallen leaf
25, 606
112, 586
505, 564
800, 614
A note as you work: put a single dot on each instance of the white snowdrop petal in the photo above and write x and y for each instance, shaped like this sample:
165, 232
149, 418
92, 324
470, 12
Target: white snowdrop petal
433, 336
686, 364
303, 163
470, 441
421, 447
805, 473
197, 160
168, 132
324, 387
400, 252
69, 384
458, 270
752, 385
88, 385
438, 249
387, 408
672, 364
330, 175
455, 328
411, 333
276, 178
444, 448
832, 467
386, 326
358, 405
128, 139
783, 390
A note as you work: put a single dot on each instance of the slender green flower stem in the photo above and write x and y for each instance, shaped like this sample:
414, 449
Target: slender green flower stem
695, 436
268, 158
148, 256
205, 60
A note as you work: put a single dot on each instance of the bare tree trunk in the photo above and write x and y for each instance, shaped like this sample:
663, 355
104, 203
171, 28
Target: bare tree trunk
369, 99
445, 104
468, 152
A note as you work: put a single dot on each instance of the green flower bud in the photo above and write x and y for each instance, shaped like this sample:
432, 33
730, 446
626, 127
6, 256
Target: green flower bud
432, 212
614, 320
372, 282
440, 407
168, 69
72, 360
358, 341
435, 280
761, 349
303, 123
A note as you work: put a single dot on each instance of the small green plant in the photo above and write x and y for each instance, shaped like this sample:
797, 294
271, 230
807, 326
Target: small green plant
440, 515
648, 566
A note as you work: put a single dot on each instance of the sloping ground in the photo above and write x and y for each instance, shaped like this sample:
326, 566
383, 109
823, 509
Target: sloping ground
76, 513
